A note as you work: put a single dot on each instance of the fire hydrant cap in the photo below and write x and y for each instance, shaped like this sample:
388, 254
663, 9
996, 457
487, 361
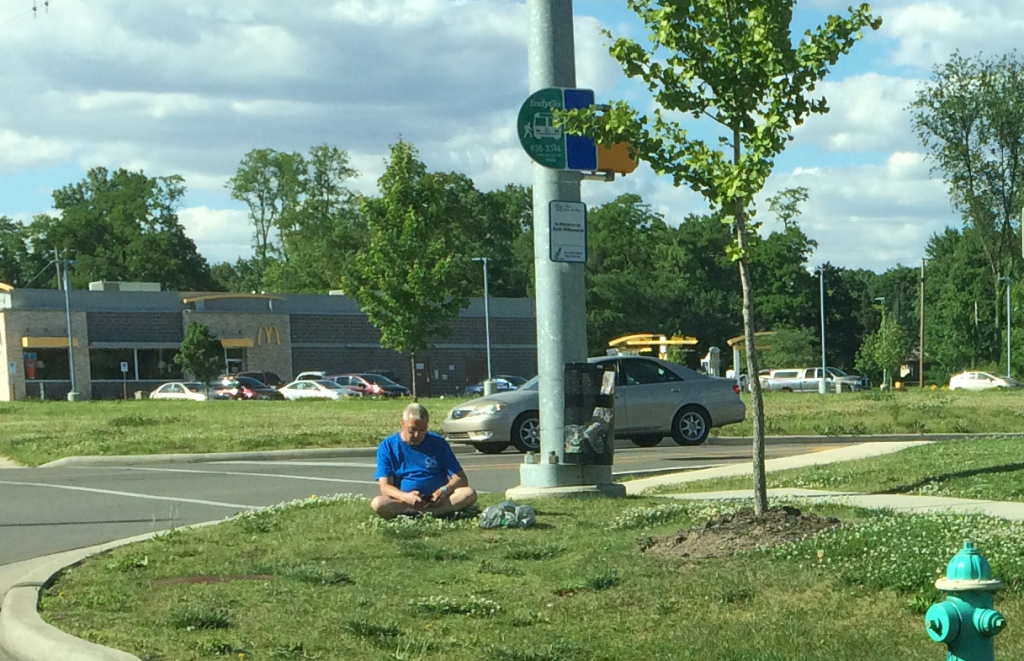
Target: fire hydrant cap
968, 570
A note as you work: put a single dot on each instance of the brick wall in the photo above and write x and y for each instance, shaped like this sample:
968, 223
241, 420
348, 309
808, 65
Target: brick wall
134, 327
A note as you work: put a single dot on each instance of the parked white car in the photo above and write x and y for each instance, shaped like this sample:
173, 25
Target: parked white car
317, 390
981, 381
187, 390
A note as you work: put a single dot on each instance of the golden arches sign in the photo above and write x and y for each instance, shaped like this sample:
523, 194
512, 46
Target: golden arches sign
270, 333
645, 342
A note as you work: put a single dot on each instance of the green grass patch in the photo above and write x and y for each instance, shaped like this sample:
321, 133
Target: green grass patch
980, 468
911, 412
577, 589
34, 433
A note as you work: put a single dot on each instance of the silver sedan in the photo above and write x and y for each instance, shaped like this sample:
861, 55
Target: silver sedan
653, 399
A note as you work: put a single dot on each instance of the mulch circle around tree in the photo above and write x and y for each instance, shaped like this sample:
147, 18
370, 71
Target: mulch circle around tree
739, 531
208, 580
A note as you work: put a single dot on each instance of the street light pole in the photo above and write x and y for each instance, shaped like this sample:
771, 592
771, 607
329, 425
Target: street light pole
73, 395
487, 315
1008, 324
823, 384
885, 371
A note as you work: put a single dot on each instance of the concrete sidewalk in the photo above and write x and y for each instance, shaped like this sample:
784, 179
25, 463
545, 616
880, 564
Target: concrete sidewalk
847, 453
894, 502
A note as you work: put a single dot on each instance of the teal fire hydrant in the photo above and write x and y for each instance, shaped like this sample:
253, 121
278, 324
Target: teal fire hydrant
966, 621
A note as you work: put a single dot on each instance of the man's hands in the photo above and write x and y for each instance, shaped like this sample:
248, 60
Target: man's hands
415, 499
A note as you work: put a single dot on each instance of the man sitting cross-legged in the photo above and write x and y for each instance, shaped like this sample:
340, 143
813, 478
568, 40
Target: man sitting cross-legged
418, 472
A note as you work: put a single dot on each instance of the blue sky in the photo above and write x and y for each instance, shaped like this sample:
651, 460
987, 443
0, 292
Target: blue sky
189, 86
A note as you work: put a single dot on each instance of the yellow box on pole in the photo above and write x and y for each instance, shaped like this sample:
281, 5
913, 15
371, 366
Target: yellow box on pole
615, 159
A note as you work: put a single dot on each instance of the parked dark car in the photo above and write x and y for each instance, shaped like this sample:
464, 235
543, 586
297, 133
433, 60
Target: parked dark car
269, 378
244, 387
371, 385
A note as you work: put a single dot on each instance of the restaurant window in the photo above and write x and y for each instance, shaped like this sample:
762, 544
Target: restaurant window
106, 364
46, 365
158, 365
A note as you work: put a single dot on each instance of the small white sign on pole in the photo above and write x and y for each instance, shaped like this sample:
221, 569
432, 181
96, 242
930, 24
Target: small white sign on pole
124, 367
568, 224
12, 367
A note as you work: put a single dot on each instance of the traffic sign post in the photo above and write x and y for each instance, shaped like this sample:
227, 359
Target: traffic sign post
548, 144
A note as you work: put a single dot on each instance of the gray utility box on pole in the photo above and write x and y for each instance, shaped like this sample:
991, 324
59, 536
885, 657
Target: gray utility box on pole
589, 432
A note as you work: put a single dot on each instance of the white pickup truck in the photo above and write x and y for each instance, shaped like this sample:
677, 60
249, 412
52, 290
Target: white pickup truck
807, 379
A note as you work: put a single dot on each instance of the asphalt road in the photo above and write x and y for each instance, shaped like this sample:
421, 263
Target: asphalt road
47, 510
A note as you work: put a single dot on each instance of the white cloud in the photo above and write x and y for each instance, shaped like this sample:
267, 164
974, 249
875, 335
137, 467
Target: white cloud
221, 235
29, 151
929, 32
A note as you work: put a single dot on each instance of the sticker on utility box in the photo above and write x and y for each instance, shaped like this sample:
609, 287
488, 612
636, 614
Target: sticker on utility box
568, 225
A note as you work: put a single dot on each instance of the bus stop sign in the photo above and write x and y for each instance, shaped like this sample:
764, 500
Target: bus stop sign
547, 144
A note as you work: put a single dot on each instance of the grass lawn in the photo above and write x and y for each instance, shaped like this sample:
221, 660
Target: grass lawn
323, 579
911, 412
982, 468
34, 433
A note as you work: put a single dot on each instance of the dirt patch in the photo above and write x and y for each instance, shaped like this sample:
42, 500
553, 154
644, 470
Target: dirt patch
739, 531
208, 580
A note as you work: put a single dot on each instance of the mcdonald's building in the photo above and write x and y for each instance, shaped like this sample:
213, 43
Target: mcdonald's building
123, 338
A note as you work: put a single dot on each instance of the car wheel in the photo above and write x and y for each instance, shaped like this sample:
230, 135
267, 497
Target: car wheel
495, 447
691, 426
526, 432
648, 441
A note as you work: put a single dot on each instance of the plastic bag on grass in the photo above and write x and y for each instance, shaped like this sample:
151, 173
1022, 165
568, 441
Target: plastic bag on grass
508, 515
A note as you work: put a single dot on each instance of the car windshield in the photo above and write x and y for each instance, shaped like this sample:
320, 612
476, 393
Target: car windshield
531, 384
249, 382
331, 384
379, 380
193, 385
835, 371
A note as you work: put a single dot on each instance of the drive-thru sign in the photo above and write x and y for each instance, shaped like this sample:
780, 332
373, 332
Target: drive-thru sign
548, 144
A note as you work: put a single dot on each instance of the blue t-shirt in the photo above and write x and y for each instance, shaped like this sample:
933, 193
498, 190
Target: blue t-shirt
425, 467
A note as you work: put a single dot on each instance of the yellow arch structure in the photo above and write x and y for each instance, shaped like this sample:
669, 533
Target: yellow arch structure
645, 342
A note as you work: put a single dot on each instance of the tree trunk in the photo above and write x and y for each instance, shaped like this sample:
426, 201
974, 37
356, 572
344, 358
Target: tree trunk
757, 401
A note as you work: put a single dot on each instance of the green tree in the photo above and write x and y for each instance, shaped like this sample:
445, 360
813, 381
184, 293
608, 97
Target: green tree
267, 181
791, 347
885, 350
970, 117
201, 354
241, 277
786, 294
306, 222
623, 295
414, 275
735, 63
123, 225
15, 262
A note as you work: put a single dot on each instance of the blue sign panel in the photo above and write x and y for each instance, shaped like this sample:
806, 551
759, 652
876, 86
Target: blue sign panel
580, 151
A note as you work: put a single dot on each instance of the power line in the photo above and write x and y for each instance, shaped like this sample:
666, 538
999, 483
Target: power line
34, 9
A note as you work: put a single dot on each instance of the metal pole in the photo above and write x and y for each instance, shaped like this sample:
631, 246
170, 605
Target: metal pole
920, 346
487, 320
71, 343
1008, 338
561, 310
823, 384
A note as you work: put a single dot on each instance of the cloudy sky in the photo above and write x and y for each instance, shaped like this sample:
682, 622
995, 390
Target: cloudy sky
189, 86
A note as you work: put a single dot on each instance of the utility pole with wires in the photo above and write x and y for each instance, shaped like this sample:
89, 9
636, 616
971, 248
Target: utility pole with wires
34, 9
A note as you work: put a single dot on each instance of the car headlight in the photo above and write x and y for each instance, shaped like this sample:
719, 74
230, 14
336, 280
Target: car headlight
487, 409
